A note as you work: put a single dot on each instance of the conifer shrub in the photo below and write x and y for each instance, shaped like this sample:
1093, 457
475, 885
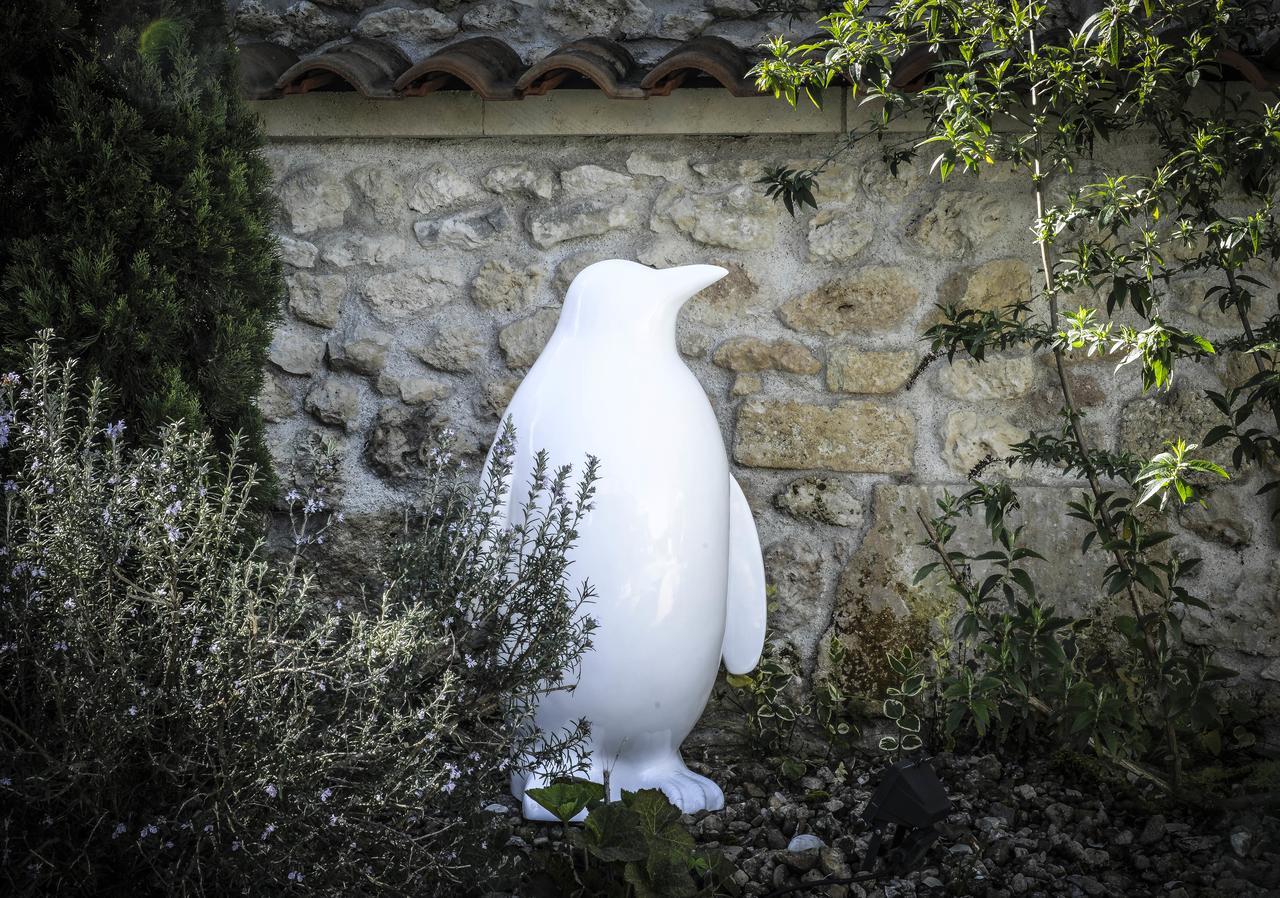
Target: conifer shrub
144, 235
181, 715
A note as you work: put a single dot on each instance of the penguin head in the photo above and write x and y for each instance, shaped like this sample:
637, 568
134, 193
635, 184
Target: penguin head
628, 296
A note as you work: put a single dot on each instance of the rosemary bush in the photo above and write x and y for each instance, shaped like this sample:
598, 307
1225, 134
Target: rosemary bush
1004, 87
181, 716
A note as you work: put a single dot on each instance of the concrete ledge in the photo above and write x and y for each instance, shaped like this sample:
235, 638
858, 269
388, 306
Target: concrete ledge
567, 113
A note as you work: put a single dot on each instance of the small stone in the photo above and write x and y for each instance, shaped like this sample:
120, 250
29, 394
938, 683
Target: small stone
861, 436
685, 24
295, 350
466, 230
495, 808
420, 390
523, 340
838, 235
600, 18
592, 180
991, 286
674, 168
968, 438
588, 217
748, 354
415, 25
275, 402
520, 180
992, 378
314, 199
872, 299
744, 384
362, 349
851, 370
490, 17
298, 253
1025, 791
734, 9
411, 291
354, 249
728, 301
1241, 842
334, 401
959, 222
495, 395
822, 500
1153, 831
316, 298
381, 190
439, 186
503, 289
738, 218
457, 347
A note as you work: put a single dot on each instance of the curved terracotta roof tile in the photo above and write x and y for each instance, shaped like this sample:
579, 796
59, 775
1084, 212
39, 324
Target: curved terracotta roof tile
484, 64
706, 56
604, 63
369, 66
261, 64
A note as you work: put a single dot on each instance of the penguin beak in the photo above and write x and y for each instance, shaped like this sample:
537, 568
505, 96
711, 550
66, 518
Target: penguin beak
687, 280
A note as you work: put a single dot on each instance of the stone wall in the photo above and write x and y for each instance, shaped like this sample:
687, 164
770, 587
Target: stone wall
424, 277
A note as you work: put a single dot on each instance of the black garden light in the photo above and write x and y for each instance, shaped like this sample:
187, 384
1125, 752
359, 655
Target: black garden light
910, 800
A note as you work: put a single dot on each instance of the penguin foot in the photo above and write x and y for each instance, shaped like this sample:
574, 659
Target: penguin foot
689, 791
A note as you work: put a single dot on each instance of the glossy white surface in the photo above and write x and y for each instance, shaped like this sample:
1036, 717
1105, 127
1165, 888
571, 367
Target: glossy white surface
670, 546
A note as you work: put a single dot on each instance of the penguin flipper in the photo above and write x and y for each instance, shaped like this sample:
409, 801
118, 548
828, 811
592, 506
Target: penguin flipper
745, 609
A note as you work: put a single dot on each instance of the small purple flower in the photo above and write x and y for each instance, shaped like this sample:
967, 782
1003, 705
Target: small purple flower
173, 533
326, 794
133, 710
295, 876
118, 831
174, 508
10, 486
114, 431
11, 379
266, 833
271, 790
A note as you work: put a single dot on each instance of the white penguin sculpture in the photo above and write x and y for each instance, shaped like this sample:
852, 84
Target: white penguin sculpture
670, 545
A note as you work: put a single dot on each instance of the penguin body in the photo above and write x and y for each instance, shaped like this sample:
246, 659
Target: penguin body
669, 547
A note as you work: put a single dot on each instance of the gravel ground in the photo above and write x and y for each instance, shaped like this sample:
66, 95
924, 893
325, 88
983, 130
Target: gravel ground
1014, 830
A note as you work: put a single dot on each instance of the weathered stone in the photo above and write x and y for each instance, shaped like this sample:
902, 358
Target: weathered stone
300, 26
852, 370
794, 568
457, 346
1221, 518
838, 234
1242, 617
438, 187
751, 354
361, 348
969, 437
734, 9
684, 24
381, 190
993, 378
490, 17
872, 299
592, 180
415, 25
523, 340
745, 385
571, 266
693, 342
822, 500
466, 230
296, 350
600, 18
729, 300
503, 289
588, 217
495, 395
520, 180
960, 221
1147, 424
275, 401
316, 298
414, 390
298, 253
334, 401
361, 249
314, 199
410, 291
673, 168
739, 171
990, 286
397, 440
738, 218
851, 436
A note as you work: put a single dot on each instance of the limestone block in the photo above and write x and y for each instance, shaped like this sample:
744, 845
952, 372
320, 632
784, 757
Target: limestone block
745, 354
316, 298
314, 199
494, 16
738, 218
992, 285
861, 436
275, 401
334, 401
520, 180
852, 370
1147, 424
296, 350
746, 384
872, 299
1221, 518
960, 222
456, 346
503, 289
993, 378
418, 25
298, 253
821, 500
968, 437
360, 348
591, 180
438, 187
729, 300
362, 249
598, 18
587, 217
466, 230
522, 341
838, 234
671, 168
381, 190
410, 291
414, 390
